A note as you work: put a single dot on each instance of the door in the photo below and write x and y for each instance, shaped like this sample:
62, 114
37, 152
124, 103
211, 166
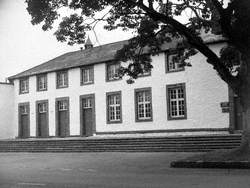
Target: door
238, 114
42, 119
87, 115
24, 121
62, 106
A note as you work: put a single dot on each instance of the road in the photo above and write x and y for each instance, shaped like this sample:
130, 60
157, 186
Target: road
110, 170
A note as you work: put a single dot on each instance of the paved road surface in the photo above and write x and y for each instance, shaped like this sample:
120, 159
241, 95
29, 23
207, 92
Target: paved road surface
110, 170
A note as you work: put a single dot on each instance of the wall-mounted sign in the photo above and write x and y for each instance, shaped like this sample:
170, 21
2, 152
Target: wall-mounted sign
224, 107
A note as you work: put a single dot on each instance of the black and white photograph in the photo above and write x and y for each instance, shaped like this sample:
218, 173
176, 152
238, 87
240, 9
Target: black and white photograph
124, 93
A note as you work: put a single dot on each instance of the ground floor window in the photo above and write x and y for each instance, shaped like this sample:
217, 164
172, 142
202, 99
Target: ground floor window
114, 114
143, 104
176, 99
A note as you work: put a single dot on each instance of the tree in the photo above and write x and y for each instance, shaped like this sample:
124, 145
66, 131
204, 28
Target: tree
156, 22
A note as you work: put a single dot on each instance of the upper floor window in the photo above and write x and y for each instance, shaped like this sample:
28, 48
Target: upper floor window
173, 63
62, 79
87, 75
114, 107
176, 98
113, 71
24, 85
143, 104
144, 73
42, 82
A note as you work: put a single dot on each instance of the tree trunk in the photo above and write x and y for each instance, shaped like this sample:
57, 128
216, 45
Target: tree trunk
244, 94
245, 141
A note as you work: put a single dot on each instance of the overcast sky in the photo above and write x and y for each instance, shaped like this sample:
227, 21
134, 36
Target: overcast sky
23, 45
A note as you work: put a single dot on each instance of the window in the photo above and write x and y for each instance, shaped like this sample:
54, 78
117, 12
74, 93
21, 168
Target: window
114, 110
176, 98
62, 79
42, 82
173, 64
24, 109
87, 103
87, 75
143, 104
42, 108
62, 105
144, 73
24, 85
113, 71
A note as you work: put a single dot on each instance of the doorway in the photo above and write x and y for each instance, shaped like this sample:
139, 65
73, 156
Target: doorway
62, 117
24, 120
87, 110
42, 119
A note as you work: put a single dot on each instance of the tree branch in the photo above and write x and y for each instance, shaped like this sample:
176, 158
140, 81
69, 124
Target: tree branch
194, 40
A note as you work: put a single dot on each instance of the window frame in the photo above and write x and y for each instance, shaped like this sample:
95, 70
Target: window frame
57, 79
63, 105
144, 74
136, 104
37, 82
42, 107
108, 94
167, 54
107, 69
91, 69
20, 89
176, 86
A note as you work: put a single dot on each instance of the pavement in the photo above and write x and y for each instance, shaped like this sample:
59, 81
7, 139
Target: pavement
111, 170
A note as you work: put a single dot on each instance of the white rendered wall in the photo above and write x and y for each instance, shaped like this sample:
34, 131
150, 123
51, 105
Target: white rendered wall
7, 127
204, 93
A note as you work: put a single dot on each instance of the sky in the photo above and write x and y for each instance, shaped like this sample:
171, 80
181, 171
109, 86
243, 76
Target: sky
23, 45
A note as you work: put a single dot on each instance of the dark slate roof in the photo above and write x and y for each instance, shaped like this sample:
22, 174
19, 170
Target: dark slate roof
79, 58
99, 54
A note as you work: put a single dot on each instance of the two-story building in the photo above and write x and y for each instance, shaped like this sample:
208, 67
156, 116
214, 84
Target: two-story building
80, 94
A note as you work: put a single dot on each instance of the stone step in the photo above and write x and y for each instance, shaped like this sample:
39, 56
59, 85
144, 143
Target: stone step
155, 144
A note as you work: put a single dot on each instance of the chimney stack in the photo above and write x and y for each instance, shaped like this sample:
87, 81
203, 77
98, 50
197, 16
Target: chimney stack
88, 44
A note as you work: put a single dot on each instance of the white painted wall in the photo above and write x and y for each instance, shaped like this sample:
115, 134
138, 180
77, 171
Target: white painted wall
204, 92
7, 127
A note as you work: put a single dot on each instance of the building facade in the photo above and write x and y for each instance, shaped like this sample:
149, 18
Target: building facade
7, 124
80, 94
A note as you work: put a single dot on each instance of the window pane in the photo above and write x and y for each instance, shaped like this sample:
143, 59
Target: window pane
114, 107
87, 75
42, 108
173, 62
24, 109
87, 103
24, 86
62, 79
62, 105
42, 82
113, 71
177, 102
144, 108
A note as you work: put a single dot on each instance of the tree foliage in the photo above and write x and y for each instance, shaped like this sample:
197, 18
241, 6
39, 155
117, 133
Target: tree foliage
156, 22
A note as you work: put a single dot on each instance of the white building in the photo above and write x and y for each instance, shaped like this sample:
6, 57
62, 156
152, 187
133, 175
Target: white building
78, 94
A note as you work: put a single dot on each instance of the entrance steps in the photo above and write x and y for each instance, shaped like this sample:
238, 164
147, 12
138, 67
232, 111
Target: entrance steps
198, 143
